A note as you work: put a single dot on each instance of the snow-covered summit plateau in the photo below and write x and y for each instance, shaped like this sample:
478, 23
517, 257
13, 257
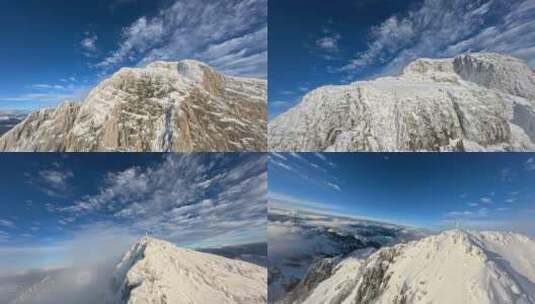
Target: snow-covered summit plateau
157, 272
473, 102
166, 106
451, 267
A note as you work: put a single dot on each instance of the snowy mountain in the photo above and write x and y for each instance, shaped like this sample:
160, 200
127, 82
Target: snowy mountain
158, 272
152, 271
165, 106
451, 267
473, 102
298, 239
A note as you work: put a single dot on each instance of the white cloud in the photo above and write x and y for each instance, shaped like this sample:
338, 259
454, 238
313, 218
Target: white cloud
321, 156
481, 212
334, 186
306, 169
529, 165
440, 28
56, 179
38, 97
45, 94
88, 45
48, 86
286, 201
279, 155
230, 35
185, 198
486, 200
7, 223
328, 43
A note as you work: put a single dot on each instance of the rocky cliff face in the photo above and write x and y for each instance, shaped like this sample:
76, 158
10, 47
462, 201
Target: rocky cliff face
167, 106
474, 102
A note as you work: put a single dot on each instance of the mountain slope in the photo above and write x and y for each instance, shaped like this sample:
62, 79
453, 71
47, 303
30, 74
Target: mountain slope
157, 272
474, 102
299, 239
452, 267
166, 106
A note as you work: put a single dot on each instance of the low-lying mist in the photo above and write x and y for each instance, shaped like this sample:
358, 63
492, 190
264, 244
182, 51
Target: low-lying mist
85, 274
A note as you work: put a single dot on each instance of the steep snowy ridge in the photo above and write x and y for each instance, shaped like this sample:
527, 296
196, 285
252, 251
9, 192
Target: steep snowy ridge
165, 106
158, 272
473, 102
451, 267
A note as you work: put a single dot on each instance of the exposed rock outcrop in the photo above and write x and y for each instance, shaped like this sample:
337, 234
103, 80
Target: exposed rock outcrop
181, 106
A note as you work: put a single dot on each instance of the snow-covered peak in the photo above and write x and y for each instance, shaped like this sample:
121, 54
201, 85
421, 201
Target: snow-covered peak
473, 102
180, 106
156, 271
193, 70
497, 71
454, 266
440, 70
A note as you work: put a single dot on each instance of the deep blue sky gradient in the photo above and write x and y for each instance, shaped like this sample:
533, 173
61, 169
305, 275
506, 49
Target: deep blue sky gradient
295, 64
41, 44
419, 189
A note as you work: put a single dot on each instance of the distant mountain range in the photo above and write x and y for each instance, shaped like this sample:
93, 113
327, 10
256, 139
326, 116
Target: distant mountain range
473, 102
180, 106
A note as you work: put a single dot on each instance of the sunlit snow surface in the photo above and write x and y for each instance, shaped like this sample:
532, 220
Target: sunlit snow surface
451, 267
474, 102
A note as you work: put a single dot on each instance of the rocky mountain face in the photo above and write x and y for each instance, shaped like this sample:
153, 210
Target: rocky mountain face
158, 272
167, 106
452, 267
473, 102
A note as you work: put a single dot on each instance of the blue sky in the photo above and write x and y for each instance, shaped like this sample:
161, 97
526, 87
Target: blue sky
433, 191
314, 43
50, 204
55, 50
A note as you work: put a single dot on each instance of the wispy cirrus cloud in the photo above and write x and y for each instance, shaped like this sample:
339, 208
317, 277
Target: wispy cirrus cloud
313, 170
328, 43
286, 201
229, 35
88, 45
439, 28
185, 198
55, 179
529, 165
48, 94
7, 223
